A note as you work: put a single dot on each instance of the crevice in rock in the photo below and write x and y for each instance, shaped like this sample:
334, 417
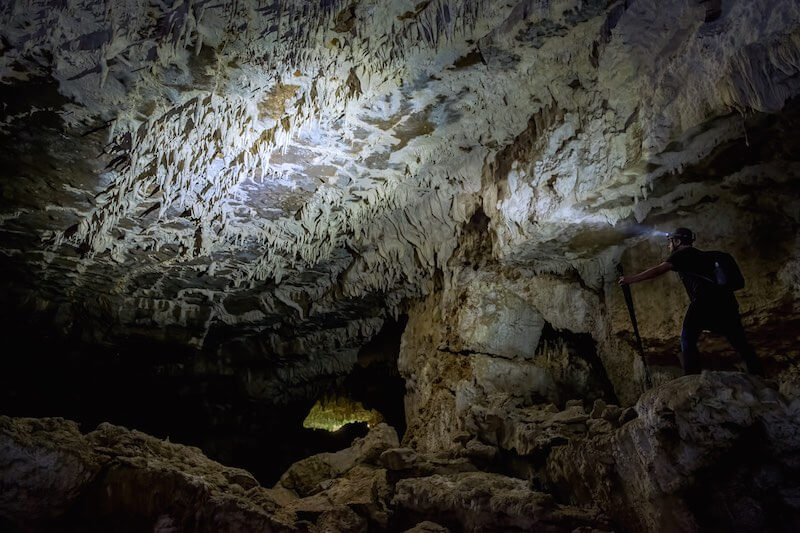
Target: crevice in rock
580, 372
375, 380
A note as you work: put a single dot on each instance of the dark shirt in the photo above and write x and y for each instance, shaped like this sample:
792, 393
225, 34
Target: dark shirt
696, 270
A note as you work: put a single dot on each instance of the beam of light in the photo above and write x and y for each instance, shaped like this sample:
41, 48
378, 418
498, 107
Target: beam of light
641, 230
570, 215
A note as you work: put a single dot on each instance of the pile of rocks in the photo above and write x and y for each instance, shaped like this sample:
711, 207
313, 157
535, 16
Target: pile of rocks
528, 430
53, 476
719, 449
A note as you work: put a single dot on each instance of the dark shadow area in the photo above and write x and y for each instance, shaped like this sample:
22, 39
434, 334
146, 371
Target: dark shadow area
585, 377
745, 490
774, 346
158, 390
375, 381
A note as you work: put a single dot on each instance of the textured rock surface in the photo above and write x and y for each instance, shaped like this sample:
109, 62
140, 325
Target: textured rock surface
123, 480
427, 527
271, 177
479, 501
211, 208
113, 478
502, 399
717, 451
305, 477
45, 464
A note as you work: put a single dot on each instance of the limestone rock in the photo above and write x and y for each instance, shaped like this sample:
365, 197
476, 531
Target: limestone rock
427, 527
478, 501
453, 397
306, 476
707, 451
506, 423
405, 462
478, 451
716, 449
341, 520
123, 480
571, 415
612, 413
398, 458
599, 425
380, 438
45, 465
528, 381
137, 482
495, 322
597, 408
364, 489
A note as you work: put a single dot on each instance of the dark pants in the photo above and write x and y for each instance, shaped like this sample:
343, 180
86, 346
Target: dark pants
722, 318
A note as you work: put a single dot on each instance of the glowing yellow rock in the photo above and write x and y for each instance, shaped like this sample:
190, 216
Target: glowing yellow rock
333, 413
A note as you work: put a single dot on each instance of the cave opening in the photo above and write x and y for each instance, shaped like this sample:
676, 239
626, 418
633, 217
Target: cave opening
144, 386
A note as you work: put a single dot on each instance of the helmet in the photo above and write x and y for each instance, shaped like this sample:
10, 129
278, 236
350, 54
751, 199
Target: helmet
684, 235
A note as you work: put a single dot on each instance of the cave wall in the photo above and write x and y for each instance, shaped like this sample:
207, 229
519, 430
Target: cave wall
250, 199
202, 176
209, 211
512, 332
497, 341
482, 330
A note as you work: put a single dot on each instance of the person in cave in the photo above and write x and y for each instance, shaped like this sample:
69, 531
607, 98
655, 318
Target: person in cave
711, 307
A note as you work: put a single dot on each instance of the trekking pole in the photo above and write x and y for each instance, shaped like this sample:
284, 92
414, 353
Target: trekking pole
626, 290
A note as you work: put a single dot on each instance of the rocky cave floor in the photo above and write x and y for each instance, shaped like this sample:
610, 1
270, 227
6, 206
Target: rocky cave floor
716, 451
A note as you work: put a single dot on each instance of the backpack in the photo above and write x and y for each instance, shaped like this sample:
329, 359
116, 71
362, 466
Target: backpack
726, 271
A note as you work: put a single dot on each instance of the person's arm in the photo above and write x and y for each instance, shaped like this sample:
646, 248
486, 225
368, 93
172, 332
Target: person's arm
650, 273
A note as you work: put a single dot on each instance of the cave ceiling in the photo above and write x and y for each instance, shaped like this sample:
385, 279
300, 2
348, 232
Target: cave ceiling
291, 172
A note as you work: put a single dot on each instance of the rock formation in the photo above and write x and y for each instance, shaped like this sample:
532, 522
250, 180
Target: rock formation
259, 176
712, 451
216, 215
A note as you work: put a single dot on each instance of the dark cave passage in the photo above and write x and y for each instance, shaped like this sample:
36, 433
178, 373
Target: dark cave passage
140, 387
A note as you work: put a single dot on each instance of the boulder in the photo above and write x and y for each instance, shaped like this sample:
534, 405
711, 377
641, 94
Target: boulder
341, 520
122, 480
716, 451
398, 458
364, 489
427, 527
306, 476
45, 464
480, 501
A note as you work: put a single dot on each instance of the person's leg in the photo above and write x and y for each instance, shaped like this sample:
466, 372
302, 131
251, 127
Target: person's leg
689, 335
734, 332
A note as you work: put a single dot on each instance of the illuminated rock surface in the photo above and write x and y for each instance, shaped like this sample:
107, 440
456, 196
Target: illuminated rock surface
265, 176
215, 214
333, 413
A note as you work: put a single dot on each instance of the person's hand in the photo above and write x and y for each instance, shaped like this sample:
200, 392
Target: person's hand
625, 280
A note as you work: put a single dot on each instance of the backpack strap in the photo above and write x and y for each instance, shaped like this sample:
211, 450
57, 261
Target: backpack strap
695, 274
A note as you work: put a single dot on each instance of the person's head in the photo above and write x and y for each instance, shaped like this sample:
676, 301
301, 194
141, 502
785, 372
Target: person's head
680, 237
